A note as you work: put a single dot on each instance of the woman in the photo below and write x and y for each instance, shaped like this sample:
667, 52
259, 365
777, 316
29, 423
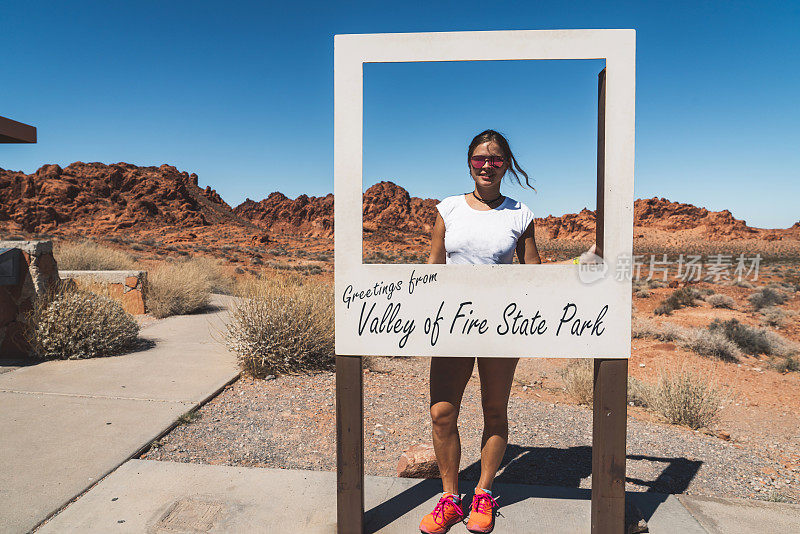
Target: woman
482, 227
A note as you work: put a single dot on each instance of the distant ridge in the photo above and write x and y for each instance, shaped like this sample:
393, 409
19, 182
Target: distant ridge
121, 197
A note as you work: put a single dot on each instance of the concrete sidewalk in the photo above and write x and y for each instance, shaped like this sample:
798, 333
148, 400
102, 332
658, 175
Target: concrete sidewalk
146, 496
67, 424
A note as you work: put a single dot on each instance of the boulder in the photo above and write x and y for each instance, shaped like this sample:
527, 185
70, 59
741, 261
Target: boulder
418, 461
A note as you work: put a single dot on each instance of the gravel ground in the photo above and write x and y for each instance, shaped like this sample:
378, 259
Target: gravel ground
289, 422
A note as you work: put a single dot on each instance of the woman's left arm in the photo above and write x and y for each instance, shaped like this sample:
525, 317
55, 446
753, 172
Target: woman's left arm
526, 247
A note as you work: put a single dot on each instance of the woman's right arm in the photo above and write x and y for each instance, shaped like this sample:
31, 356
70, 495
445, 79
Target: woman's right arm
438, 252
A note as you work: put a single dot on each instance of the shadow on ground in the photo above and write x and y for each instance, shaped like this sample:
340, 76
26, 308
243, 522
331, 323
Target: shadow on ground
546, 472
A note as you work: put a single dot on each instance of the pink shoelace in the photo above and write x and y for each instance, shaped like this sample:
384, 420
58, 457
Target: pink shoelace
482, 503
438, 512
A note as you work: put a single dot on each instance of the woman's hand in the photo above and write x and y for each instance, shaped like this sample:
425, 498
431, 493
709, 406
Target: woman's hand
590, 256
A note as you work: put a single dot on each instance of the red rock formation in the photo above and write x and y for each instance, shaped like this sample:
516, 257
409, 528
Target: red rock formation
309, 215
102, 198
386, 206
94, 198
389, 206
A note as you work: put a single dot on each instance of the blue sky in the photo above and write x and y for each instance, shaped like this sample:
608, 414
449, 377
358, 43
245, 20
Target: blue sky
242, 94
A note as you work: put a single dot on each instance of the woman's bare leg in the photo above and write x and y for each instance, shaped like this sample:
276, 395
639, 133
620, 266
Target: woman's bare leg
497, 376
449, 377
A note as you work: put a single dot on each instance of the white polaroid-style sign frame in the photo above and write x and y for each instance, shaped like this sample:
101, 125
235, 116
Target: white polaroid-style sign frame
558, 313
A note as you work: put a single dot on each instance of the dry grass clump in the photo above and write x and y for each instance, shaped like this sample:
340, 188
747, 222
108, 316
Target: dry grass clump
712, 343
219, 280
750, 340
68, 323
755, 340
721, 301
774, 316
282, 324
179, 288
87, 255
767, 296
639, 393
686, 398
578, 377
647, 328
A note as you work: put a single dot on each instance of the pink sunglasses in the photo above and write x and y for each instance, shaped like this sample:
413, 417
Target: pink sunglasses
479, 161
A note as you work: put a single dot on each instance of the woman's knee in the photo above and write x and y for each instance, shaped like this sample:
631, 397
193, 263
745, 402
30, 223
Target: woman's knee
444, 415
495, 415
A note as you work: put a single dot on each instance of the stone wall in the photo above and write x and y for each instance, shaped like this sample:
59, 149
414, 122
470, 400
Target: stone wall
38, 272
127, 287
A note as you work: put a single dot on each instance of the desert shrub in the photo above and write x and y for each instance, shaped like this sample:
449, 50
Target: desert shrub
743, 283
639, 393
792, 279
178, 288
704, 292
721, 301
647, 328
774, 316
219, 279
654, 284
767, 297
578, 377
68, 323
755, 340
679, 298
782, 286
686, 398
750, 340
642, 294
87, 255
780, 346
712, 343
786, 365
282, 324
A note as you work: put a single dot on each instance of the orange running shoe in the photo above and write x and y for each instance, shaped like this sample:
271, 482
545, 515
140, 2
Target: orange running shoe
481, 515
447, 513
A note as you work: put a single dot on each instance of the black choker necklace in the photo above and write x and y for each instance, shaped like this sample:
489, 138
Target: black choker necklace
487, 202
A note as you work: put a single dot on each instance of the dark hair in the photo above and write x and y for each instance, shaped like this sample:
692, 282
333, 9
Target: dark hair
491, 135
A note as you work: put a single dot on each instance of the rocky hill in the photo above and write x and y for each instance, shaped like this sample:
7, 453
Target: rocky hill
108, 198
94, 198
386, 206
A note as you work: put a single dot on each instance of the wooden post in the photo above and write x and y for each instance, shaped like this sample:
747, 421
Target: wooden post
610, 392
349, 445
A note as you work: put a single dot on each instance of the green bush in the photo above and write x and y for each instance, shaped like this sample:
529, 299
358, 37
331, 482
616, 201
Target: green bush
69, 324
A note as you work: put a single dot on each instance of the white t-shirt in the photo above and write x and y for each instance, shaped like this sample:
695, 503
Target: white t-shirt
473, 236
